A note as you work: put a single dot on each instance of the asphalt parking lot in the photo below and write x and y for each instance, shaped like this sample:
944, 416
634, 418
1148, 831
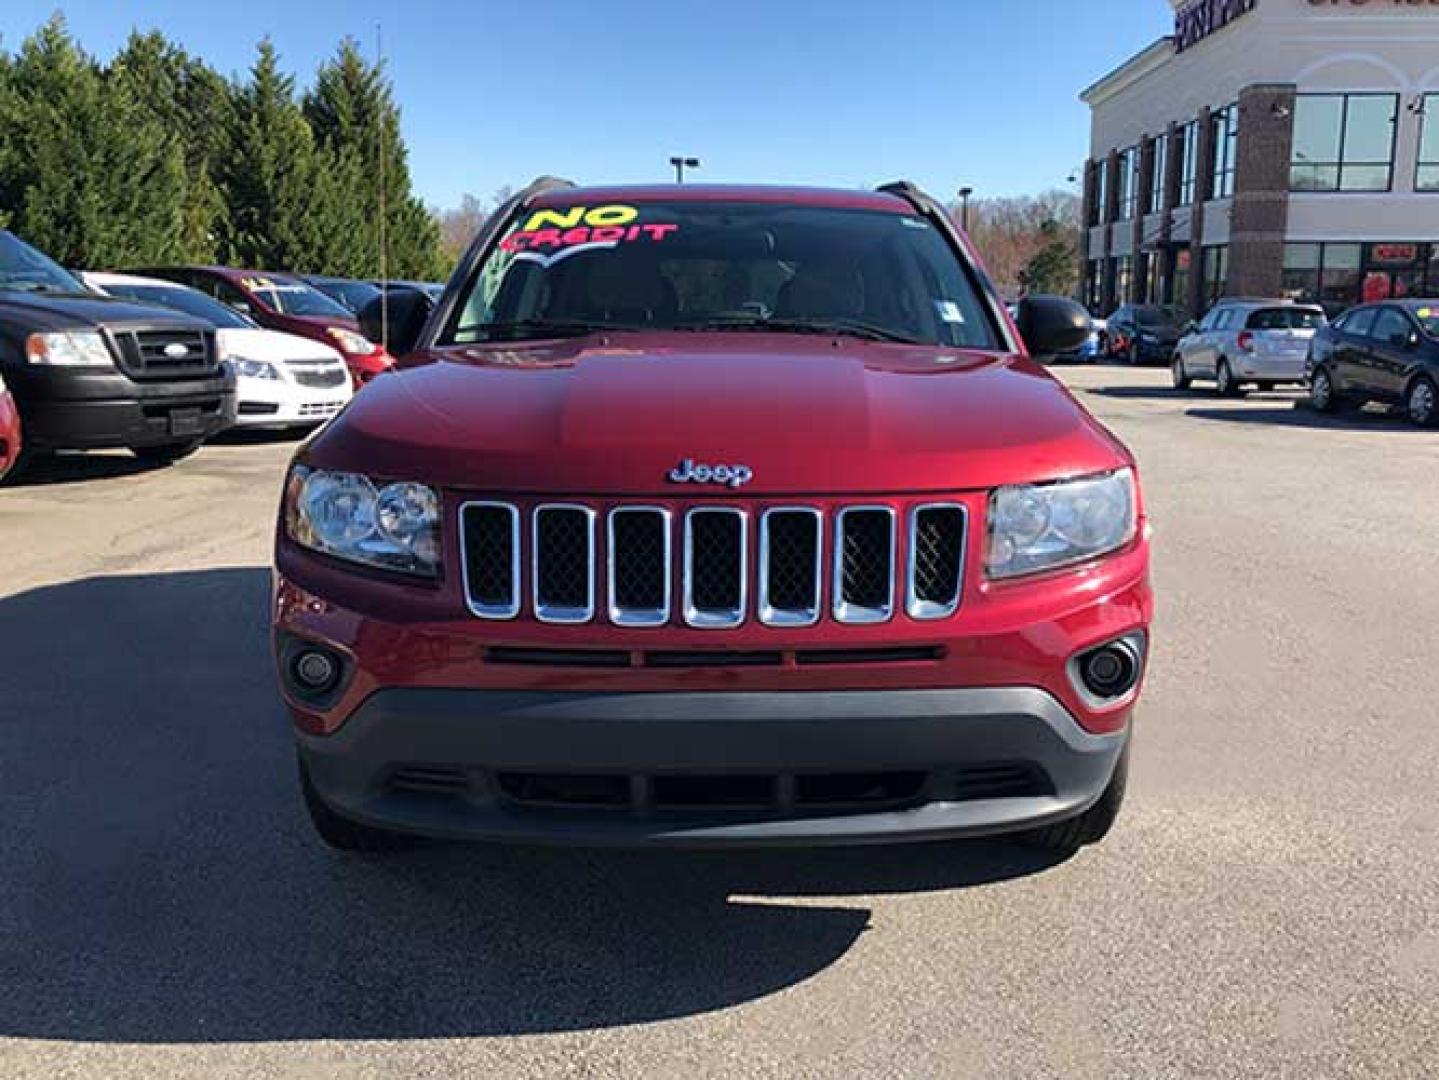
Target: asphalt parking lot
1268, 905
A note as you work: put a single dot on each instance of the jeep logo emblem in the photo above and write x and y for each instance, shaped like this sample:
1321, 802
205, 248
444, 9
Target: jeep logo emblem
736, 476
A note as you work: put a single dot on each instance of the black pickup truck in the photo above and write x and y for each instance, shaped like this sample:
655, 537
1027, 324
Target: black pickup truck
88, 372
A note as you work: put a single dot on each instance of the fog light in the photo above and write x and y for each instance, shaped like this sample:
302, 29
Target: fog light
315, 671
1112, 670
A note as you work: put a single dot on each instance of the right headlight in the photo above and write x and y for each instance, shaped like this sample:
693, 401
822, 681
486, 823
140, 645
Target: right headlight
393, 526
69, 348
1038, 527
246, 368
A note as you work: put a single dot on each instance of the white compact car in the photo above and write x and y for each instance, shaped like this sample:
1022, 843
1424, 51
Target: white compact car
281, 380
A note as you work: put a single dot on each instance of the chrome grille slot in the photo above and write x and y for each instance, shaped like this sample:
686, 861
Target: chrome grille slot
715, 568
166, 353
564, 564
864, 548
936, 560
490, 543
639, 566
318, 378
790, 573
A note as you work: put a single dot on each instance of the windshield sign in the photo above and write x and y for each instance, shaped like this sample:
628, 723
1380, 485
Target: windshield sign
1428, 320
723, 268
293, 298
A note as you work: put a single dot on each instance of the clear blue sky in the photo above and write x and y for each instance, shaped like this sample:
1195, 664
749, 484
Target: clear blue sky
849, 93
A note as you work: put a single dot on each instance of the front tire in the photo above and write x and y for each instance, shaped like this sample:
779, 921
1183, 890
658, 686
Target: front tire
1421, 403
1323, 397
167, 453
1131, 355
340, 832
1178, 375
1090, 827
1225, 383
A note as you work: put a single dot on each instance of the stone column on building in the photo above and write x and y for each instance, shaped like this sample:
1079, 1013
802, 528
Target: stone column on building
1204, 179
1144, 181
1111, 212
1168, 196
1260, 217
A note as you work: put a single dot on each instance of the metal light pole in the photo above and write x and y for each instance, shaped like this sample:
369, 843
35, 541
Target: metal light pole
681, 164
964, 194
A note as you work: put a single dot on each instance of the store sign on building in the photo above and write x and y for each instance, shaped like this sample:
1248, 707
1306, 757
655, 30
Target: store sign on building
1197, 19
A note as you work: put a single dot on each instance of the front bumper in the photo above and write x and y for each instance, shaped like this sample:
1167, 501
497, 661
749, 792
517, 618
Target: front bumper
276, 403
86, 410
711, 769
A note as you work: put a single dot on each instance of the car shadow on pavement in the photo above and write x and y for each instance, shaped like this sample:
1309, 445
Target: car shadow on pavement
74, 468
238, 436
1300, 415
161, 885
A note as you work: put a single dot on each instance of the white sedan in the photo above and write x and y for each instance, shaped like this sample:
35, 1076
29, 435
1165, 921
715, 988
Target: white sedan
281, 380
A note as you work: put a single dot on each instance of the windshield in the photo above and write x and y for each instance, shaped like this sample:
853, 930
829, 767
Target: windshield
24, 269
723, 267
1158, 316
294, 298
1286, 319
187, 300
352, 294
1428, 317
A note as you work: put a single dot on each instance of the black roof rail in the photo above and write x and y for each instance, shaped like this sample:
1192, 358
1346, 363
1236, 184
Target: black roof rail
905, 189
541, 184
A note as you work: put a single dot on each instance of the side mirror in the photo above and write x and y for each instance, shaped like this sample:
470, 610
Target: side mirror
409, 310
1052, 324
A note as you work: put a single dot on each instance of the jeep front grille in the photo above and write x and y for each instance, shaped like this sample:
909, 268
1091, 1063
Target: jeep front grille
712, 567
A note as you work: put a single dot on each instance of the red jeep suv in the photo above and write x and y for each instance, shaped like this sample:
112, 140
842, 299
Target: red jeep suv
714, 516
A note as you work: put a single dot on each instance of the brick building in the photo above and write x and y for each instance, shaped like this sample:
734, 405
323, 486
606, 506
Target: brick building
1268, 148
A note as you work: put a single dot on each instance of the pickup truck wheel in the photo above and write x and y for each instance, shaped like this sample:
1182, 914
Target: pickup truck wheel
341, 833
1090, 827
1181, 378
1421, 403
1225, 383
167, 453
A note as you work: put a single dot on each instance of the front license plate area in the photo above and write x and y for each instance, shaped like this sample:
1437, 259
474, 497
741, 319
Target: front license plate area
186, 422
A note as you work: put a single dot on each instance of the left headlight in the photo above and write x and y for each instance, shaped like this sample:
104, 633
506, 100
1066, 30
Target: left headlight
70, 348
351, 342
1038, 527
253, 369
392, 526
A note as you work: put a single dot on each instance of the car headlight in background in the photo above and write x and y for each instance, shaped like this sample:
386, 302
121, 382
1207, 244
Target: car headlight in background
393, 526
1037, 527
69, 348
253, 369
351, 342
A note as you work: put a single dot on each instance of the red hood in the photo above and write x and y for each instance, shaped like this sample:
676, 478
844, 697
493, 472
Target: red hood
807, 415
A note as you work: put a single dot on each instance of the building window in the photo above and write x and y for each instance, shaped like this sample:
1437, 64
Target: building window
1216, 273
1094, 286
1156, 179
1328, 274
1427, 178
1188, 149
1128, 183
1226, 151
1301, 271
1344, 142
1179, 280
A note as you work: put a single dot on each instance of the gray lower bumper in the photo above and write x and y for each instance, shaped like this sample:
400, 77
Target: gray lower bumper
472, 743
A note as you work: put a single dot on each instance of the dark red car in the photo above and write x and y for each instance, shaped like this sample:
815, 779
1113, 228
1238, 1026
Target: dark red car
708, 517
9, 431
283, 302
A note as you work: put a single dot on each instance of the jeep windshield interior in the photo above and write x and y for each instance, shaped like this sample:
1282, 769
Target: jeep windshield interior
190, 301
23, 269
733, 267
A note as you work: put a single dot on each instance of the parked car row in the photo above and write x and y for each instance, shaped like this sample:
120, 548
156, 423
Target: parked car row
158, 361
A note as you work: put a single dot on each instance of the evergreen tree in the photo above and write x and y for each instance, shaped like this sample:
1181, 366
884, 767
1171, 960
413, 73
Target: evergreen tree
86, 172
1054, 268
194, 103
357, 126
272, 182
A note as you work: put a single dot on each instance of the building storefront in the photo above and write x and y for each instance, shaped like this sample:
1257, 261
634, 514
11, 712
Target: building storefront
1268, 148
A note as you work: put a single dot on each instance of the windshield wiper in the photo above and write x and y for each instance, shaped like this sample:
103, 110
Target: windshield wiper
544, 328
840, 327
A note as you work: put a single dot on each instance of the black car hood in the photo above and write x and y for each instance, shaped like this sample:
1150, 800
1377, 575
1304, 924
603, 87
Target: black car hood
35, 311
